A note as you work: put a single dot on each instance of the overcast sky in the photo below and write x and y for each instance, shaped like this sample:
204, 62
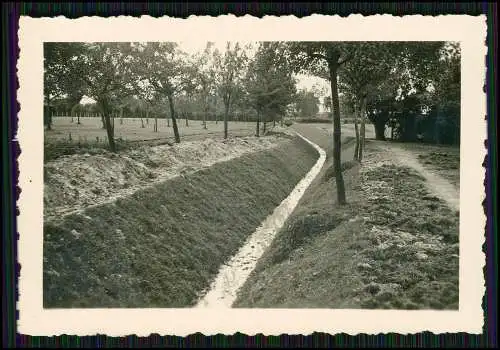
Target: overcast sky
304, 81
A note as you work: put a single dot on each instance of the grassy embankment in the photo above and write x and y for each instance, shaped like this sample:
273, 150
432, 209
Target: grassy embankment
161, 246
394, 245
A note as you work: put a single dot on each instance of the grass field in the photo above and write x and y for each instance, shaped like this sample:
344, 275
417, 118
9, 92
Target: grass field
131, 130
68, 138
161, 246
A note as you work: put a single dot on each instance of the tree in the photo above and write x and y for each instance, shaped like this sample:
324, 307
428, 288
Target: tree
324, 59
105, 69
382, 107
346, 102
205, 77
137, 106
230, 72
128, 103
401, 98
77, 110
327, 102
369, 66
162, 71
62, 78
307, 104
269, 84
396, 83
150, 98
444, 97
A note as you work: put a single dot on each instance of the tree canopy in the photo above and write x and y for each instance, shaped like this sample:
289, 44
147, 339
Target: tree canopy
412, 86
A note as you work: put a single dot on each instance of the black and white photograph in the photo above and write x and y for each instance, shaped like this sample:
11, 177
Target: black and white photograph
243, 174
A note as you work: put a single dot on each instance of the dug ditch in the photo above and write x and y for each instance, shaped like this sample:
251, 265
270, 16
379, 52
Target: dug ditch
163, 245
232, 276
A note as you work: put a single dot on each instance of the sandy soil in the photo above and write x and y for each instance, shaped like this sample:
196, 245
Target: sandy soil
72, 183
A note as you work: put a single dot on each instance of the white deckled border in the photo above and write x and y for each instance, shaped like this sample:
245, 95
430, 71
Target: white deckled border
469, 31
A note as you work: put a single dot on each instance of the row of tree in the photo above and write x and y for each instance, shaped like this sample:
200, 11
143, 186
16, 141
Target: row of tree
412, 86
387, 82
305, 105
159, 80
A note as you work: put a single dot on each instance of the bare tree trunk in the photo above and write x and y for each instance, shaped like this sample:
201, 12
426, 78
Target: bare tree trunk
78, 118
363, 129
103, 121
187, 123
258, 125
205, 113
49, 118
339, 180
121, 115
205, 117
147, 118
216, 115
109, 124
215, 111
49, 115
110, 132
226, 113
174, 120
392, 131
356, 130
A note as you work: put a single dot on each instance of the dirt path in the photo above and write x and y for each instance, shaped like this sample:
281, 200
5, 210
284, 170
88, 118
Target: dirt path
435, 183
233, 275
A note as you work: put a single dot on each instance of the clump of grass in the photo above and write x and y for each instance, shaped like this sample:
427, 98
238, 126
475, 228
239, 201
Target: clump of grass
301, 229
